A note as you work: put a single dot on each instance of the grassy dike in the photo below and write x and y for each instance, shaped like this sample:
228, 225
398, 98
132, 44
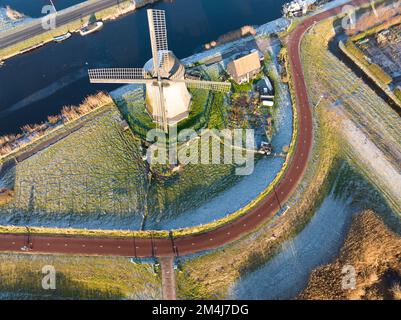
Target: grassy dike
110, 13
147, 234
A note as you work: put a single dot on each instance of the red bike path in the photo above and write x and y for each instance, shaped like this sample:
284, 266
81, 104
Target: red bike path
266, 209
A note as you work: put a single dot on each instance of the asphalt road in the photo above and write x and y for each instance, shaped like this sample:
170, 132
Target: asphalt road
223, 235
63, 17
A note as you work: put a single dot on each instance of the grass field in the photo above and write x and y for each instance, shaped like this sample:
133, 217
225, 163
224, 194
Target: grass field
99, 170
77, 278
96, 169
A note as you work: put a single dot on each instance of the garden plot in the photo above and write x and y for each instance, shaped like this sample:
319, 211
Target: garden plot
384, 49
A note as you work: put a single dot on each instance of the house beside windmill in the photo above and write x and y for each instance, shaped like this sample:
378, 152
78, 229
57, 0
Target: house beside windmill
243, 69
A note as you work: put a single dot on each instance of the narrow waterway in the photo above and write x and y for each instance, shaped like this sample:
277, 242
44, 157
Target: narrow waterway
40, 83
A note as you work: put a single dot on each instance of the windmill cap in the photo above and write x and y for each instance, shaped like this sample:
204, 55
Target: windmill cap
172, 67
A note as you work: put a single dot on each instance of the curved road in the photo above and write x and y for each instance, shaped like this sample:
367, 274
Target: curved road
267, 208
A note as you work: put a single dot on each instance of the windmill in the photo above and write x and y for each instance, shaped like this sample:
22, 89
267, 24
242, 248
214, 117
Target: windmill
167, 96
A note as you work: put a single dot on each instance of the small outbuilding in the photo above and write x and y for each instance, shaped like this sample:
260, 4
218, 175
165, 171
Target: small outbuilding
245, 68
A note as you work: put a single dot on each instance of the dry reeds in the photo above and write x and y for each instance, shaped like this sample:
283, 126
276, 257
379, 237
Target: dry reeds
10, 142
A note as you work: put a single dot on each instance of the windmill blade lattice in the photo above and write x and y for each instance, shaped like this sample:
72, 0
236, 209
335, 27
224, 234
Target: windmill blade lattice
119, 75
224, 87
158, 38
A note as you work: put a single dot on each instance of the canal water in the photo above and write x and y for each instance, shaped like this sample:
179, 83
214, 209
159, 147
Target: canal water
41, 82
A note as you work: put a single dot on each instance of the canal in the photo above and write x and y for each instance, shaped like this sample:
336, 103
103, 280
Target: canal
41, 82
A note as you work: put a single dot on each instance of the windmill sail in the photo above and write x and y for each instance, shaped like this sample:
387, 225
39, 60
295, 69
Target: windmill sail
207, 85
158, 38
162, 120
119, 75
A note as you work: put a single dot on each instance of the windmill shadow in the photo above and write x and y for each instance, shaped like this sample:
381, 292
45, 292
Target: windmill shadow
31, 201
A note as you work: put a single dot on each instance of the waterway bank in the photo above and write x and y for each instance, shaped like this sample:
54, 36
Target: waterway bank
56, 74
